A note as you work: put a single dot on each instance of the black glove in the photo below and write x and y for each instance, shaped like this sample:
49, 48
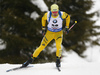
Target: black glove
43, 31
66, 30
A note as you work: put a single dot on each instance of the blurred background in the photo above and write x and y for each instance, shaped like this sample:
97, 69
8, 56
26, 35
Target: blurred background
20, 30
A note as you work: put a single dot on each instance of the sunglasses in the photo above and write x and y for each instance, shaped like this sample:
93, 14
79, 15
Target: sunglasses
54, 11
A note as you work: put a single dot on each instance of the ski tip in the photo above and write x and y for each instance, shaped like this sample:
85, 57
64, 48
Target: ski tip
75, 21
58, 69
8, 70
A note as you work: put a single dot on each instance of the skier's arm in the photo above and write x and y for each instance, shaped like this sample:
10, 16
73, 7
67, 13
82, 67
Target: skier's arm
67, 17
44, 18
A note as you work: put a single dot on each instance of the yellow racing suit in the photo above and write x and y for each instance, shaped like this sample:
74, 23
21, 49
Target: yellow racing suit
53, 32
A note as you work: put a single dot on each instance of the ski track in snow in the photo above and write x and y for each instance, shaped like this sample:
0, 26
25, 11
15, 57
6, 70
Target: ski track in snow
50, 69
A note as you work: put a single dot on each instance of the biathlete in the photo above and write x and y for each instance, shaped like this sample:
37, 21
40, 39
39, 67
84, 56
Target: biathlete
54, 31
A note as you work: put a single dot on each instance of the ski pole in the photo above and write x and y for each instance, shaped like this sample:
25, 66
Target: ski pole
72, 26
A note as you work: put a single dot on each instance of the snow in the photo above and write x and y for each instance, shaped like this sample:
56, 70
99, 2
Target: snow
72, 57
95, 7
50, 69
34, 15
40, 4
72, 63
2, 46
93, 52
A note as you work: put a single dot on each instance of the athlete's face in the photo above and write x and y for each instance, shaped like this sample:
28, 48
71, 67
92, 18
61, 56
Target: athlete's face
54, 13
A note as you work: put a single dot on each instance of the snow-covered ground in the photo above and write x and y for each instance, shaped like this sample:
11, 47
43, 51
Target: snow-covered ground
71, 64
50, 69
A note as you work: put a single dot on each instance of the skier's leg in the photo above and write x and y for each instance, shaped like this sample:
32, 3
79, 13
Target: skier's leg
58, 40
47, 38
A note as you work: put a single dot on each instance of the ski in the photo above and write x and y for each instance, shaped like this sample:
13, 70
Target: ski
17, 68
58, 68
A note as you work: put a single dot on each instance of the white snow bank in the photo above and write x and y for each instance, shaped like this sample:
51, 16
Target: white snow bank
34, 15
72, 57
93, 54
95, 7
40, 4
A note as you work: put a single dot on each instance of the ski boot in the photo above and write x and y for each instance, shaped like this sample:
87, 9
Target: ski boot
27, 62
58, 64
